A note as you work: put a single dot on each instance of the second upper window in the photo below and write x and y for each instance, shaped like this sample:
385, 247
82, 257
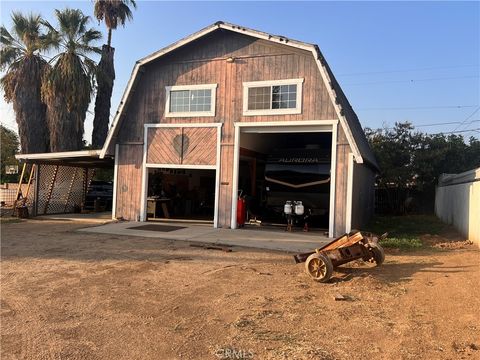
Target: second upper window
272, 97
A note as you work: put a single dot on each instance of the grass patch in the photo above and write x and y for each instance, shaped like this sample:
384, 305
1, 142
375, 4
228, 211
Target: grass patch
404, 232
10, 220
402, 243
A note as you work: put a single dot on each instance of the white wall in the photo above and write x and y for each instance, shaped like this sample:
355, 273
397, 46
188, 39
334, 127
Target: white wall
457, 202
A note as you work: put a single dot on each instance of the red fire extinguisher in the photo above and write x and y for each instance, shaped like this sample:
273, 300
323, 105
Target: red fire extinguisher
241, 210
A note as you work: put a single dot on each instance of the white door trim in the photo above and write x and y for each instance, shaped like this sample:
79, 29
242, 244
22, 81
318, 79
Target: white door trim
143, 195
236, 161
333, 183
348, 211
295, 127
115, 180
146, 166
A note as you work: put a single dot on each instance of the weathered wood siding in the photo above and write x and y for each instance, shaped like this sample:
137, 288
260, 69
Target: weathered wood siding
182, 146
129, 181
164, 146
363, 196
200, 146
203, 62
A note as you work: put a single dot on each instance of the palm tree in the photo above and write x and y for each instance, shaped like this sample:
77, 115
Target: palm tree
21, 56
113, 12
68, 86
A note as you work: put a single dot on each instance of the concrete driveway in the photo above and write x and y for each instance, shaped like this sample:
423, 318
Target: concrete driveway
253, 238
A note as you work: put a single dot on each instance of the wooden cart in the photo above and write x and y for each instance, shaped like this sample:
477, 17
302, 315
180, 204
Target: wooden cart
319, 264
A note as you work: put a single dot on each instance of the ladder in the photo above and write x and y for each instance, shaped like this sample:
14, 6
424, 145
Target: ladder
20, 198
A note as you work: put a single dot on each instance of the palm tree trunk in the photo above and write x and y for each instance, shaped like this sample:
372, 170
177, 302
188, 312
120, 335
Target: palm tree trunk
105, 79
63, 126
29, 109
109, 40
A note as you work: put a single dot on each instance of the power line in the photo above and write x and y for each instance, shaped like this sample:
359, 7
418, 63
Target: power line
413, 80
457, 132
447, 132
468, 118
447, 123
419, 107
438, 124
407, 70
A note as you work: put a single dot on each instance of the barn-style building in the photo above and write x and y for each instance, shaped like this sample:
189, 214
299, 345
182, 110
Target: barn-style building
232, 109
229, 111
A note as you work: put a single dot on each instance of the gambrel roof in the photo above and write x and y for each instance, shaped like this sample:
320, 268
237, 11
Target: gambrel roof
348, 119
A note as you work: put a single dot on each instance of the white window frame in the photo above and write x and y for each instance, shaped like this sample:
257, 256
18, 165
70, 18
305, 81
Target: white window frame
168, 89
253, 84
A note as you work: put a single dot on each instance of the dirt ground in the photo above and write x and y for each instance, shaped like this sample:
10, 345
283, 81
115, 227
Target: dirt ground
70, 295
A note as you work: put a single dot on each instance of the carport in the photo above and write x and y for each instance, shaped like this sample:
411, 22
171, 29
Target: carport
58, 182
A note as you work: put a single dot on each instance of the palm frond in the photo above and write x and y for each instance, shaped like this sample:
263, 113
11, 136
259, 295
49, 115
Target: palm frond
82, 24
19, 24
99, 9
90, 35
8, 83
8, 55
85, 50
114, 12
90, 70
124, 14
5, 38
51, 39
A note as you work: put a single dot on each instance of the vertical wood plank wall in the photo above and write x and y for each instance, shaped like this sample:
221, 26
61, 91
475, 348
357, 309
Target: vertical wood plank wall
203, 62
129, 181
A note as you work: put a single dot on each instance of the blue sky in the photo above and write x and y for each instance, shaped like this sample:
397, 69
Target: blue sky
396, 61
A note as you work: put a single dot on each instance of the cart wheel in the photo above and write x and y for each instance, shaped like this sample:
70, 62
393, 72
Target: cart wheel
319, 267
378, 253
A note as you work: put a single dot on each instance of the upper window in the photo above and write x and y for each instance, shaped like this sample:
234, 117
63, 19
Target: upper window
190, 100
272, 97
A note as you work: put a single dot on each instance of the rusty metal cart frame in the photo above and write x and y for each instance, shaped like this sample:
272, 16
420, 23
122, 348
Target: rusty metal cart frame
355, 245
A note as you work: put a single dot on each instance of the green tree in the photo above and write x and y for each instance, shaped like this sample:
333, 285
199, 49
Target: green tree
411, 159
112, 12
21, 55
68, 86
10, 144
393, 148
473, 152
438, 154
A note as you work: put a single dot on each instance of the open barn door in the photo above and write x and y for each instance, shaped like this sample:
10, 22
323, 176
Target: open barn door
181, 171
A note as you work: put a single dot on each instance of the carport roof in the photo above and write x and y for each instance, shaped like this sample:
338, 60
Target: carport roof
83, 158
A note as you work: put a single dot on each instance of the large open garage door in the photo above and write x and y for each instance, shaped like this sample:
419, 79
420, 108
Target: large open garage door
277, 164
181, 172
181, 194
